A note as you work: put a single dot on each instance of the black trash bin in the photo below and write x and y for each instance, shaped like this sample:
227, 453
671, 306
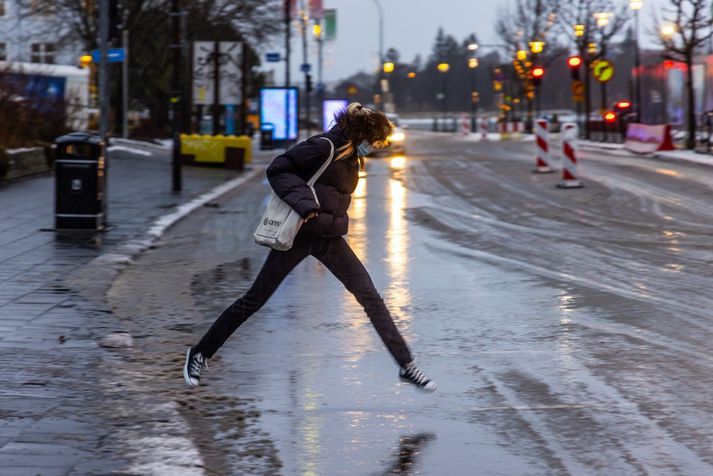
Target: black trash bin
266, 133
80, 182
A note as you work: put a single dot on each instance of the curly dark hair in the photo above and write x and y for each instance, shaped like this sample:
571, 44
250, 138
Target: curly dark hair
360, 124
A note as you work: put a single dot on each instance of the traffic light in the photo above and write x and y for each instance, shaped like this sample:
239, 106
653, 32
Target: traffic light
574, 63
537, 73
308, 83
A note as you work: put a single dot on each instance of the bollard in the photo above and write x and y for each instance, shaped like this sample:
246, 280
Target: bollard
569, 158
483, 128
542, 155
464, 125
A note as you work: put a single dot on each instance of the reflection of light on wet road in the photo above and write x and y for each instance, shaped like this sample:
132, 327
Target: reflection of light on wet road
398, 162
669, 172
565, 303
357, 219
397, 243
309, 429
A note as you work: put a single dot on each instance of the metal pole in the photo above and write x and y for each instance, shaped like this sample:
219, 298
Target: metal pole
288, 20
103, 68
320, 68
637, 69
384, 99
305, 60
216, 87
125, 85
176, 95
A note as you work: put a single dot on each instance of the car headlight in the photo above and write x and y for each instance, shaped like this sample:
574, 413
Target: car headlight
397, 137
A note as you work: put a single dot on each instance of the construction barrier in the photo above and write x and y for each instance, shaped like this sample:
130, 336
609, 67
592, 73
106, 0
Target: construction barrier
542, 154
645, 139
465, 125
483, 126
510, 130
231, 152
569, 157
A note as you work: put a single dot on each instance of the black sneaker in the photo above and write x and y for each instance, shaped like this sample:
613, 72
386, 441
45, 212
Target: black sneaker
410, 373
193, 367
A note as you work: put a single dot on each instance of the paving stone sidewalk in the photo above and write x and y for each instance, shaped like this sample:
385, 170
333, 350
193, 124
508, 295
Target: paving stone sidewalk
53, 408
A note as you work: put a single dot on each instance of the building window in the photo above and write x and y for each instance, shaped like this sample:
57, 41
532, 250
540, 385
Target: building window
42, 53
3, 52
2, 9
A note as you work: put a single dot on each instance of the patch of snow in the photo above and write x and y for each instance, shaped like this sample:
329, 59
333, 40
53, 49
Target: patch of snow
131, 150
117, 340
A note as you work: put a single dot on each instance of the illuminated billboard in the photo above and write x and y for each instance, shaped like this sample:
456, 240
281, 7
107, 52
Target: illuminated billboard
329, 108
278, 111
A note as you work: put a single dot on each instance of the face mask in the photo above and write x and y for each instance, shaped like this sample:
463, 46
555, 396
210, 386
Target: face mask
364, 149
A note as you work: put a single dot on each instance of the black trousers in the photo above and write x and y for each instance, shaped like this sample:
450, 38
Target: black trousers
339, 258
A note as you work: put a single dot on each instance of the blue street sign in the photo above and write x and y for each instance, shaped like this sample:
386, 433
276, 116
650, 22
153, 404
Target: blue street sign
321, 87
114, 55
306, 67
273, 57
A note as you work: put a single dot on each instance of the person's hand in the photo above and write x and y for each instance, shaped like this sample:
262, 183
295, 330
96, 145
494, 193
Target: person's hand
311, 215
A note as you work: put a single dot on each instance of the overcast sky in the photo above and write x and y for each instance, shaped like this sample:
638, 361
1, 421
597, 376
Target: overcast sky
410, 26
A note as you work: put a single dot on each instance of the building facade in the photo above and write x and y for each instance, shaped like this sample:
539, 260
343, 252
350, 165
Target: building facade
29, 33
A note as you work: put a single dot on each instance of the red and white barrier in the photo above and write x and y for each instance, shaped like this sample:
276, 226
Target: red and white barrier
569, 157
542, 155
645, 139
483, 126
465, 125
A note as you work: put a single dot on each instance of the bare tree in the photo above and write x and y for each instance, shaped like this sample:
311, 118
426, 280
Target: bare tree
591, 25
529, 21
682, 29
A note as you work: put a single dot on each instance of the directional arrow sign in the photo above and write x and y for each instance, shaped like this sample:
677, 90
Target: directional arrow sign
603, 71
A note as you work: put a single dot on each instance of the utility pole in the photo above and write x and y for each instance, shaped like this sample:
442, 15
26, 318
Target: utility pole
125, 82
288, 21
216, 87
103, 68
320, 67
305, 60
176, 94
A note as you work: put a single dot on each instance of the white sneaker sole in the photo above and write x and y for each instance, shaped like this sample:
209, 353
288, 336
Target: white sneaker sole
430, 387
190, 381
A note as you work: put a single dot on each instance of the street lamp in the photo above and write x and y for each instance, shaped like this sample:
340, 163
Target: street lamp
668, 30
537, 46
473, 65
443, 68
636, 5
602, 18
473, 47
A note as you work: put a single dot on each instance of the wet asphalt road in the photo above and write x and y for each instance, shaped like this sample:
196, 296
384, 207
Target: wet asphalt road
569, 330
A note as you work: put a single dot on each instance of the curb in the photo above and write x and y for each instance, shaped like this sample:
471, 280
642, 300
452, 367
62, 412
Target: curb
133, 248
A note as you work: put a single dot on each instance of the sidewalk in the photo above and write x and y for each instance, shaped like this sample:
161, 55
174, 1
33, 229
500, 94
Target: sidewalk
671, 155
56, 339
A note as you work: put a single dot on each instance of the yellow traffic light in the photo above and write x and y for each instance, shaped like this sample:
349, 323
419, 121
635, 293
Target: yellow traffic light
411, 75
521, 55
389, 67
443, 67
317, 30
473, 63
85, 60
537, 46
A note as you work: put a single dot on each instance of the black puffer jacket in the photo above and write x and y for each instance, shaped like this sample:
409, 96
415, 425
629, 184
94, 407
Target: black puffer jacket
288, 175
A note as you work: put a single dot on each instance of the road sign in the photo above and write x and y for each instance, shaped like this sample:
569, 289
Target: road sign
578, 90
113, 55
603, 70
329, 28
273, 57
306, 67
229, 67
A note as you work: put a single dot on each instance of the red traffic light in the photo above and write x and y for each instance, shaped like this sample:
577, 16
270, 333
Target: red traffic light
623, 104
537, 72
610, 116
574, 61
